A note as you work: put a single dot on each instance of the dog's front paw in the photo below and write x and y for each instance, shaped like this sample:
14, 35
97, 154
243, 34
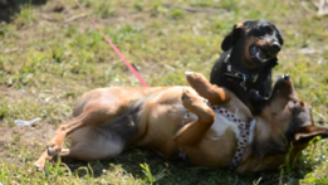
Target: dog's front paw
189, 99
193, 77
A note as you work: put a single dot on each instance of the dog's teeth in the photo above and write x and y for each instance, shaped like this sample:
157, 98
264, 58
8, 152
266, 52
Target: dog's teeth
261, 56
258, 55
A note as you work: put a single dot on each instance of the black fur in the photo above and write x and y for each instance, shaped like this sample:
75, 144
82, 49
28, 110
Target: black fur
234, 45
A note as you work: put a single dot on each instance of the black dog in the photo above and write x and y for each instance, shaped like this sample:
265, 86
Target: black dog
250, 53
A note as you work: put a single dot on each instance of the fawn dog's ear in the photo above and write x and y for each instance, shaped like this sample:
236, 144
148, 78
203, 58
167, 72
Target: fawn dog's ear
230, 40
305, 134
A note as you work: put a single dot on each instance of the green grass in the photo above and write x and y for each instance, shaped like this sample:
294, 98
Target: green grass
47, 62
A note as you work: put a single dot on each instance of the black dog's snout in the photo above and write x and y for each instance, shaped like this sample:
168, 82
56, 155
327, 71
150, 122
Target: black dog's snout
276, 47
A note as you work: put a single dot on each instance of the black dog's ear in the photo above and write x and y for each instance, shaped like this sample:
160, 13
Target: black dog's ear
232, 37
280, 36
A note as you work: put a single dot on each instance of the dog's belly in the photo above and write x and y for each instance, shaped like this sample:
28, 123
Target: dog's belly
166, 115
163, 123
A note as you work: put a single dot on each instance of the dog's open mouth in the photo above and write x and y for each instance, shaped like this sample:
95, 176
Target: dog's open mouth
259, 53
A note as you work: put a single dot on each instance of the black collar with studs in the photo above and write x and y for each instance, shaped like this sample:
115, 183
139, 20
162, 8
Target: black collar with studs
237, 75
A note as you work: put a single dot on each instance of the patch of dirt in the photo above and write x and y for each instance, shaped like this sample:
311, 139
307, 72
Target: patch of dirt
25, 136
40, 134
11, 93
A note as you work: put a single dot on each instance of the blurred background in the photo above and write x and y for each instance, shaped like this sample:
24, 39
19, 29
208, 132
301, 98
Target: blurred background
50, 54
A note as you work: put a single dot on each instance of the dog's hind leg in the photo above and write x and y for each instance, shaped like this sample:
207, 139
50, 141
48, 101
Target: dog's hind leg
40, 163
88, 150
204, 88
93, 113
88, 118
193, 132
93, 150
94, 143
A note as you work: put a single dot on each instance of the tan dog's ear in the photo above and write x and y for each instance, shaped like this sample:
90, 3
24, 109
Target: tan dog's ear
305, 134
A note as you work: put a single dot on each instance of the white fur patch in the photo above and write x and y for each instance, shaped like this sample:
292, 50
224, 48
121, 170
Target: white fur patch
221, 124
251, 130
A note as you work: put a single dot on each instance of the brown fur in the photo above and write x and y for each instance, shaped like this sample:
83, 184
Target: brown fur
109, 120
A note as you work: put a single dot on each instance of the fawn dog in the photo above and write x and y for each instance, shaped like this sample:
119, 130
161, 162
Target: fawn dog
206, 123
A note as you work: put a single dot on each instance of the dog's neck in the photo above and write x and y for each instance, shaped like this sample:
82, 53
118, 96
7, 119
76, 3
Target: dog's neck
233, 71
261, 144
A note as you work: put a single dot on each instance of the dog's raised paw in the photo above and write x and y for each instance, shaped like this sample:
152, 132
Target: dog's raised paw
188, 98
194, 77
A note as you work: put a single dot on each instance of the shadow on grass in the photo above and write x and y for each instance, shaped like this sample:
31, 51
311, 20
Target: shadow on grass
9, 8
181, 172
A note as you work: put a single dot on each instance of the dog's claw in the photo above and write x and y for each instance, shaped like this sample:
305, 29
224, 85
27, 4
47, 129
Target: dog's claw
49, 151
39, 165
187, 73
53, 149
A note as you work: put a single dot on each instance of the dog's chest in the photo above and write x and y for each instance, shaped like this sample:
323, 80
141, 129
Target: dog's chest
221, 125
218, 128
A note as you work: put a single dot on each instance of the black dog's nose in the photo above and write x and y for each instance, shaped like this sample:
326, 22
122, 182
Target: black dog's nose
286, 77
276, 47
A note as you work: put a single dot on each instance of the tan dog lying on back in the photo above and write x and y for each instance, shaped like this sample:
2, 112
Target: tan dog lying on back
175, 120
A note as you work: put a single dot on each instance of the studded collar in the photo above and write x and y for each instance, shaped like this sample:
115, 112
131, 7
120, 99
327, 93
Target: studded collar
237, 75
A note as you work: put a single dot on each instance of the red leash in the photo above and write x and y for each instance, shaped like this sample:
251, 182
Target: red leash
115, 48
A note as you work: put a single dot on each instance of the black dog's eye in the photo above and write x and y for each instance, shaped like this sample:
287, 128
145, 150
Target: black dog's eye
265, 29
